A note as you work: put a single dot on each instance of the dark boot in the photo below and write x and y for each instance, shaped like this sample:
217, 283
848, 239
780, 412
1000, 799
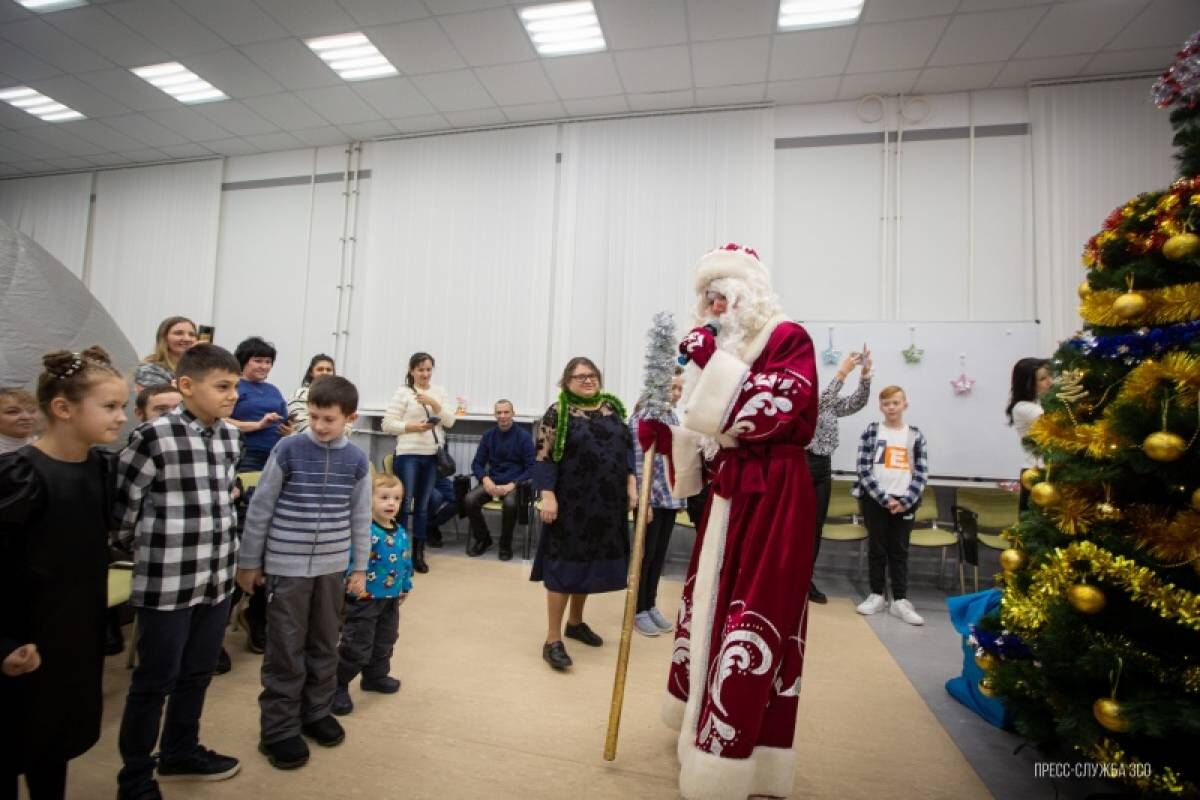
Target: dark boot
481, 540
433, 537
506, 546
419, 556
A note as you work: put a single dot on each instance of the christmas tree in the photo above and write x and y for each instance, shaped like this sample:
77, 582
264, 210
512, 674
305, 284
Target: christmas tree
1096, 648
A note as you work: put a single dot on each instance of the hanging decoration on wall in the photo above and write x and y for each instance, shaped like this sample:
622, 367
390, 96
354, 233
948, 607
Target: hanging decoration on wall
963, 383
912, 354
829, 356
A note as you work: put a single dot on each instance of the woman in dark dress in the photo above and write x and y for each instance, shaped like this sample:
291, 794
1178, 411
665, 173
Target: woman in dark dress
55, 506
584, 475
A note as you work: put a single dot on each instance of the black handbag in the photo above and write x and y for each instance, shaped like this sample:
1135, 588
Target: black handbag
445, 462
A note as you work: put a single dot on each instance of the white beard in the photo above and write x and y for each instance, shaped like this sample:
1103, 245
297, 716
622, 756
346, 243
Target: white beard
731, 339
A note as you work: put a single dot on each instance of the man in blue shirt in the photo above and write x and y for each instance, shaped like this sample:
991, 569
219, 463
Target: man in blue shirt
501, 465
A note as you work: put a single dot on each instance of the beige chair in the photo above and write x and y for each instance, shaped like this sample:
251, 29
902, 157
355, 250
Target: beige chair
995, 509
120, 589
934, 537
842, 523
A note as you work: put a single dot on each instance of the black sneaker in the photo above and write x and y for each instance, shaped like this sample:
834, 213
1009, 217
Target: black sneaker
342, 704
480, 546
202, 765
326, 731
385, 685
556, 656
584, 634
815, 595
286, 753
223, 663
149, 791
505, 553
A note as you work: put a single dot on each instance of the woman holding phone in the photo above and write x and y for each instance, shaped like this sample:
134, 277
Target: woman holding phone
418, 416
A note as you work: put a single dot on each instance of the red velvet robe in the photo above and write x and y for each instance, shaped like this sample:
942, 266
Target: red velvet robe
739, 638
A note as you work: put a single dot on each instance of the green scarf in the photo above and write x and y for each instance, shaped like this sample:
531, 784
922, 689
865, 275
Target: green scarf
567, 399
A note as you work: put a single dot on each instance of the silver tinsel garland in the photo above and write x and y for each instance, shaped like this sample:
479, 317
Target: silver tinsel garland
660, 366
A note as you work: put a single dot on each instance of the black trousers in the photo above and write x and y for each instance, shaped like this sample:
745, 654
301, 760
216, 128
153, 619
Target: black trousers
368, 637
510, 505
658, 540
820, 467
888, 535
45, 781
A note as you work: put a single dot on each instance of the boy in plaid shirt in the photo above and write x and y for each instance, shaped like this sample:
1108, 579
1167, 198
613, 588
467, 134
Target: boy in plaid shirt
893, 467
174, 507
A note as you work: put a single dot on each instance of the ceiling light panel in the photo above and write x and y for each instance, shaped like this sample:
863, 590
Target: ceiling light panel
561, 29
798, 15
39, 105
180, 82
46, 6
352, 56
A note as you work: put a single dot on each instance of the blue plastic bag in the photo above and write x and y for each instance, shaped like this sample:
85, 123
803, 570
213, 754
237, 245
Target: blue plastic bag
966, 610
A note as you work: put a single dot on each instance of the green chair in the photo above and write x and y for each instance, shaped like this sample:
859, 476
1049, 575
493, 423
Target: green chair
120, 589
934, 537
927, 512
996, 509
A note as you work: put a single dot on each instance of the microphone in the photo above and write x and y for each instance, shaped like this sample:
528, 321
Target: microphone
713, 327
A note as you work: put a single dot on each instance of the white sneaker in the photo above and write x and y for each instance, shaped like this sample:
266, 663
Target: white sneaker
644, 625
905, 611
662, 622
872, 605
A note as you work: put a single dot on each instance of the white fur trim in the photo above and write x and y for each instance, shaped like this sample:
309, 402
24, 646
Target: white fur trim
754, 349
672, 711
727, 264
768, 771
686, 464
710, 404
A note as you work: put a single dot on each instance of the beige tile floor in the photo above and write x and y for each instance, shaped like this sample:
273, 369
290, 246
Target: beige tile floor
482, 716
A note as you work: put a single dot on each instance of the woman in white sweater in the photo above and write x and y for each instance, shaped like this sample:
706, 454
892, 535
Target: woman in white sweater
1030, 380
419, 416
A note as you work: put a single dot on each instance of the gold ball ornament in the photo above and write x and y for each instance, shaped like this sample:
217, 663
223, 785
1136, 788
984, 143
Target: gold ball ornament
1181, 246
985, 661
1012, 560
1164, 446
1029, 477
1045, 494
1107, 512
986, 689
1086, 599
1084, 290
1196, 500
1130, 305
1108, 713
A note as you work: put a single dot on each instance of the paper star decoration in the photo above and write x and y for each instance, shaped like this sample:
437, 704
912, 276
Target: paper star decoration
829, 356
962, 384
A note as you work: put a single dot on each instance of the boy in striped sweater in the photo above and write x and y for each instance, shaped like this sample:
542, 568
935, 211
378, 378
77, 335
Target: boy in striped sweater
308, 521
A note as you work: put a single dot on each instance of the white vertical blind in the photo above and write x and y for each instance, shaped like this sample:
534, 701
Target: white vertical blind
155, 245
53, 211
1095, 145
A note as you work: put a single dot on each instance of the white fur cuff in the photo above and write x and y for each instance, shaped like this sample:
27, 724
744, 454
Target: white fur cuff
711, 402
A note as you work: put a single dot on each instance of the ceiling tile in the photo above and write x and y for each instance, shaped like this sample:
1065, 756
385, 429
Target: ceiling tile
11, 11
235, 117
232, 73
166, 25
393, 97
856, 86
26, 146
22, 66
232, 147
991, 5
417, 47
366, 131
459, 6
42, 40
309, 17
187, 151
1163, 23
100, 134
720, 19
730, 95
517, 84
661, 101
71, 163
384, 12
811, 54
1114, 62
475, 117
108, 36
129, 90
1020, 73
892, 10
656, 69
147, 155
590, 75
145, 130
591, 106
895, 45
1078, 27
972, 77
291, 63
109, 160
285, 110
730, 61
66, 141
813, 90
80, 96
489, 37
635, 23
15, 119
320, 137
990, 36
454, 91
236, 21
186, 122
274, 142
427, 122
338, 104
534, 112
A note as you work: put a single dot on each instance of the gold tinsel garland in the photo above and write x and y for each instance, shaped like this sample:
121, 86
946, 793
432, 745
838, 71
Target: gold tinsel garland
1051, 580
1181, 368
1188, 678
1075, 513
1056, 429
1173, 539
1131, 770
1171, 304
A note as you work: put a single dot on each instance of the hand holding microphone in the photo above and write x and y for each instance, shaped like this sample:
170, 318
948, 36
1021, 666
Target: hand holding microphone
700, 344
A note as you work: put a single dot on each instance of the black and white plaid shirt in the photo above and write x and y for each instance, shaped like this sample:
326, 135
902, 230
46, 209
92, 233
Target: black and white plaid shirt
174, 507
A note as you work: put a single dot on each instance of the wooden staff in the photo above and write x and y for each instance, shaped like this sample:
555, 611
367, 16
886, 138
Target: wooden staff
631, 595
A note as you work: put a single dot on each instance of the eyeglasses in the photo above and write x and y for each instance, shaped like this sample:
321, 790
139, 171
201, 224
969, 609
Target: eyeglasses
587, 377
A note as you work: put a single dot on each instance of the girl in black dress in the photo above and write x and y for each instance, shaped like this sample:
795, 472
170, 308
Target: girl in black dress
55, 506
584, 475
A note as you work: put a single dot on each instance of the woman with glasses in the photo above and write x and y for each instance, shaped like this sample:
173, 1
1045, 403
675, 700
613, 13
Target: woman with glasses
584, 477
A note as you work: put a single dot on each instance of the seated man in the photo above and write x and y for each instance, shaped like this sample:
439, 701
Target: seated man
502, 462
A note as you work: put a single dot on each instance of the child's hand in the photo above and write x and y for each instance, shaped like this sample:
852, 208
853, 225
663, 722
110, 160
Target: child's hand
22, 660
268, 419
356, 585
400, 600
894, 506
247, 579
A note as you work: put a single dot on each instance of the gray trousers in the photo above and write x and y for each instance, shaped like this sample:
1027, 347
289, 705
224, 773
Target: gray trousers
368, 636
299, 669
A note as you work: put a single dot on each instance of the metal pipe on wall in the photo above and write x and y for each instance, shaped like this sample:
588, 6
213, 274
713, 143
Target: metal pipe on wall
352, 247
337, 325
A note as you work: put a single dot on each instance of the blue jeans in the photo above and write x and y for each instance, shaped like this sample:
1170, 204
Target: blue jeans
417, 473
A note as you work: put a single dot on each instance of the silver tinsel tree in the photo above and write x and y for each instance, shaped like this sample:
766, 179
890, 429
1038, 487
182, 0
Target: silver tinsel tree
660, 366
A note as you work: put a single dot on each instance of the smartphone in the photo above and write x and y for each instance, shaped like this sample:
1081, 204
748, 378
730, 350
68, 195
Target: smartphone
434, 420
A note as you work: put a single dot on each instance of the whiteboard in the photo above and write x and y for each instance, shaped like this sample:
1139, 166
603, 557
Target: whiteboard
968, 435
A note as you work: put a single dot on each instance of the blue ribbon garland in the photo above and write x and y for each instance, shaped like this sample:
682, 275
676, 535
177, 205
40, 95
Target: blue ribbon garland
1132, 347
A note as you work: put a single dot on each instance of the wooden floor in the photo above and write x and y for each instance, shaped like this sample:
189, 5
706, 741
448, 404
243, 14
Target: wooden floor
480, 714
